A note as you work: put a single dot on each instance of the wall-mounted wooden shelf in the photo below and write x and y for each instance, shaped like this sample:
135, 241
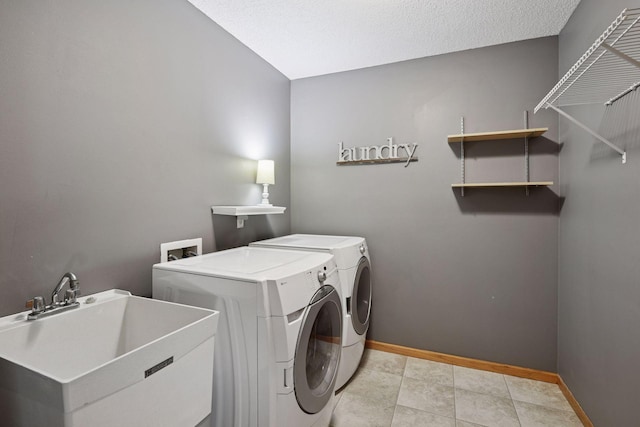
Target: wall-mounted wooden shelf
524, 134
502, 134
503, 184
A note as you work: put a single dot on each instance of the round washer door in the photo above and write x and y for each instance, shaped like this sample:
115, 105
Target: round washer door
318, 351
361, 297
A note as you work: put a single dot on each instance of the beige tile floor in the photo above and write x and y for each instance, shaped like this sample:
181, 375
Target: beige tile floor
390, 390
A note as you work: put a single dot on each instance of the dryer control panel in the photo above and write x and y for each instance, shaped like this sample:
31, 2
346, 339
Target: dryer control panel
289, 294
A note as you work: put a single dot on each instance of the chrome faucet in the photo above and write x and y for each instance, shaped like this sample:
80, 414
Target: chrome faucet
38, 308
72, 292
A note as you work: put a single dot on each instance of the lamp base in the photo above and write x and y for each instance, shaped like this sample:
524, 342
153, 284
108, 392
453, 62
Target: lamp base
265, 196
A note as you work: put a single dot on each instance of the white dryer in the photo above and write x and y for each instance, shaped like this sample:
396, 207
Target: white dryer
354, 264
279, 332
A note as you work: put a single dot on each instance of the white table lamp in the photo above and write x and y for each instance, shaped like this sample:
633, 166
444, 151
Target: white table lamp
265, 176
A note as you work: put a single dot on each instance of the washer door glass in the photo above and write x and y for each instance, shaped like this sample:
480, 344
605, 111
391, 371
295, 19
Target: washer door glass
361, 297
318, 351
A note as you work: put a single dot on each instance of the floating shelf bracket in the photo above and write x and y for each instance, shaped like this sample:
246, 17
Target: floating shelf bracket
606, 72
462, 155
526, 152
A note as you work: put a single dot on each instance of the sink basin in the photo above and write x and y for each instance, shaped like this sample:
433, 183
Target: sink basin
117, 359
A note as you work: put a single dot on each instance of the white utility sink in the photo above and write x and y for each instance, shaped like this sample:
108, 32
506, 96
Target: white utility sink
116, 360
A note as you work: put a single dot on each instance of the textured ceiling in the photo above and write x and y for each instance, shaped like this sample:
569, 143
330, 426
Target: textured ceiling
303, 38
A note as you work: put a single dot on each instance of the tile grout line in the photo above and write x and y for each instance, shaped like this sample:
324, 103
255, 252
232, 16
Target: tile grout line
453, 380
552, 408
511, 398
395, 407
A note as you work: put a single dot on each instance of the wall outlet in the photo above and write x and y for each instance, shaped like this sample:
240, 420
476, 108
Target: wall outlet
181, 249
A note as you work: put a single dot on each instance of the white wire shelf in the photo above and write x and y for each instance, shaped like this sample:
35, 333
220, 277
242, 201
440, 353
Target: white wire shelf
605, 73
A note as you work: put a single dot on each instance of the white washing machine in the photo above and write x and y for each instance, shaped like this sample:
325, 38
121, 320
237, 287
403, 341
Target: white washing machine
279, 331
354, 264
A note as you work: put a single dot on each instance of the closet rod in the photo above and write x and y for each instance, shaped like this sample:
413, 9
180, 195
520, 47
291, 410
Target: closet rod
625, 93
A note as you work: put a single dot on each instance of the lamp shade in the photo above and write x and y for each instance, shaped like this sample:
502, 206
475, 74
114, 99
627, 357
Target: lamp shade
265, 173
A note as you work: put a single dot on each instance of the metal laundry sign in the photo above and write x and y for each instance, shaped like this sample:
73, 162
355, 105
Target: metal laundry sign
377, 154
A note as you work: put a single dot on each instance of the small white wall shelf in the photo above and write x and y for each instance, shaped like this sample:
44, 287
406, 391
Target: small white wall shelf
242, 213
606, 72
525, 133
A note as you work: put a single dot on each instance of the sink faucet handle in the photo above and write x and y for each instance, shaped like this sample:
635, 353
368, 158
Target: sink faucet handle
36, 305
70, 296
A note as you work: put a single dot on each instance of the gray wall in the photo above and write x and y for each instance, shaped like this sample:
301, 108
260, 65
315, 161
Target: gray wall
473, 276
599, 244
121, 123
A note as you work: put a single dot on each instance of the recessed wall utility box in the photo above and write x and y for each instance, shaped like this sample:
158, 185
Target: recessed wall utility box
180, 249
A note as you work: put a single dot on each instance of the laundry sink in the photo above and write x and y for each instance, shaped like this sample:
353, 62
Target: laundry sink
117, 359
